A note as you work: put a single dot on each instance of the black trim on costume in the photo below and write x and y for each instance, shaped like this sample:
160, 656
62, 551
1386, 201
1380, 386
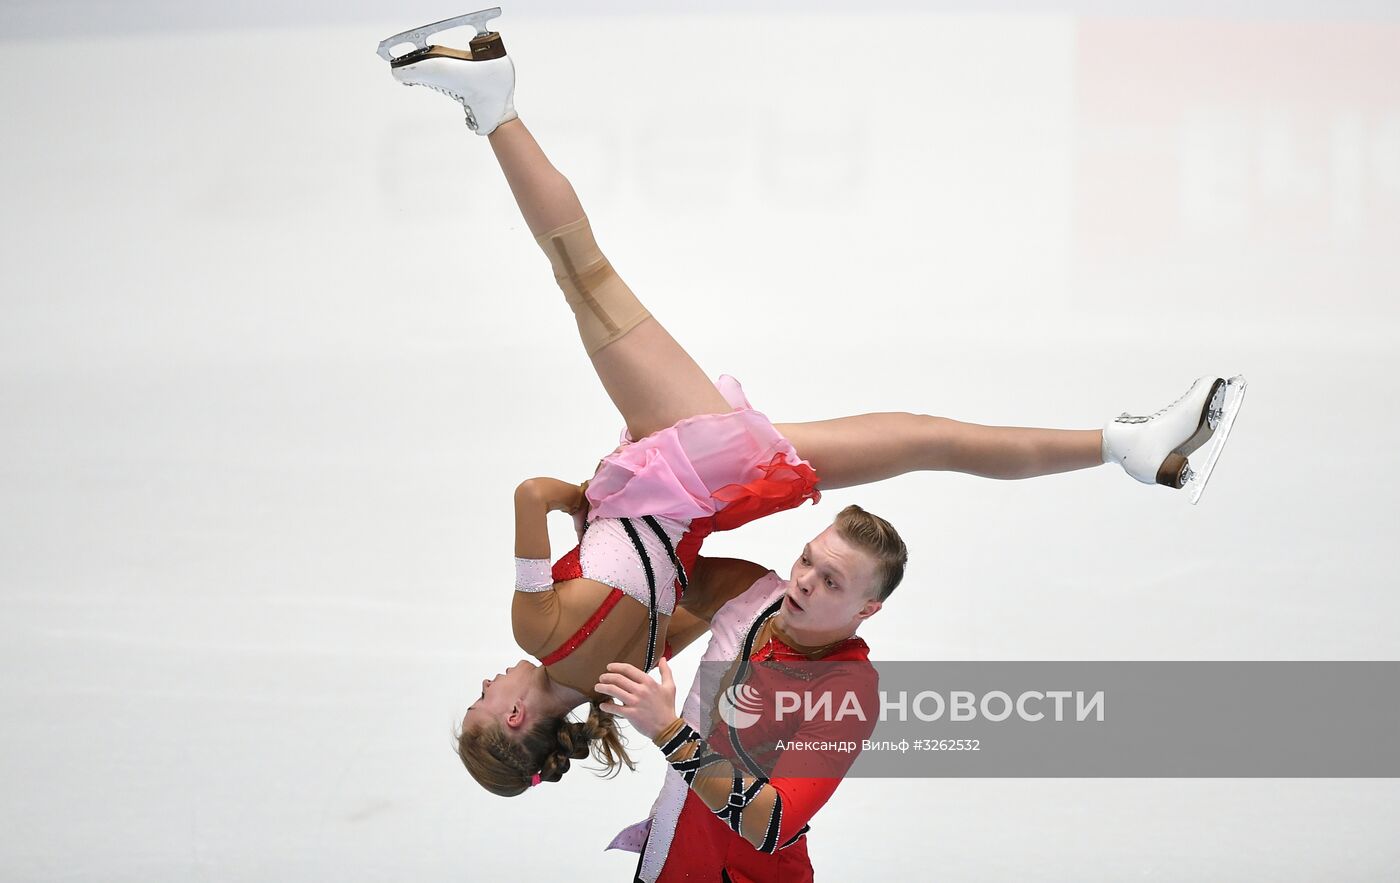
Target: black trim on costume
740, 674
739, 797
676, 741
732, 813
775, 823
670, 550
651, 591
796, 837
704, 756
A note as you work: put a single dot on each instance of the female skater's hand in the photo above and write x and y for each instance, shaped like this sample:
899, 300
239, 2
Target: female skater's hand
650, 706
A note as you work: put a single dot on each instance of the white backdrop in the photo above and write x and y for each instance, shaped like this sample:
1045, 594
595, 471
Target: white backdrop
276, 348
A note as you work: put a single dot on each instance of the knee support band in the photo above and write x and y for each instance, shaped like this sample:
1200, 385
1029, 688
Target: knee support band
604, 307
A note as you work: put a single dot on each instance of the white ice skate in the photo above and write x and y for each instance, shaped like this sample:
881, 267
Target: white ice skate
1155, 449
481, 78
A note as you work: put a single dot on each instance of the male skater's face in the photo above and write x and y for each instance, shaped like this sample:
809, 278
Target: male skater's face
831, 587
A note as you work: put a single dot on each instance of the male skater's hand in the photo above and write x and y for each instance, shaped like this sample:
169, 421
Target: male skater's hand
650, 706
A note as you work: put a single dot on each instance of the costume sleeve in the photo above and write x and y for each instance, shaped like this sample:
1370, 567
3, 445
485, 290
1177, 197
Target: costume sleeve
767, 811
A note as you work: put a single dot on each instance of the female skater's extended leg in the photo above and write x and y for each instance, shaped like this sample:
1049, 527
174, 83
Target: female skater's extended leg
1176, 446
654, 383
872, 447
649, 377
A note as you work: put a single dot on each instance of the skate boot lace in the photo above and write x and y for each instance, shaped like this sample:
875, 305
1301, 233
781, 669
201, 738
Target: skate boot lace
1125, 417
471, 117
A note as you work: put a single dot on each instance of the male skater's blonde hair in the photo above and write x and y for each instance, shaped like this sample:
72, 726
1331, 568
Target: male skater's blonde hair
876, 536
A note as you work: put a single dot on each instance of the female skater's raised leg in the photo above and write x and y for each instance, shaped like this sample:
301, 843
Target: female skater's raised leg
654, 382
650, 378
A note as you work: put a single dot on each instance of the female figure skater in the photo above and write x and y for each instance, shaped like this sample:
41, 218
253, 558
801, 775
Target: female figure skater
696, 458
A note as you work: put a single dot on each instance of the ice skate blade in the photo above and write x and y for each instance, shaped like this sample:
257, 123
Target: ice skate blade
419, 36
1199, 472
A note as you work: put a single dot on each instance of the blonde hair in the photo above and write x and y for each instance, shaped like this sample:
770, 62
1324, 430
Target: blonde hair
875, 535
506, 766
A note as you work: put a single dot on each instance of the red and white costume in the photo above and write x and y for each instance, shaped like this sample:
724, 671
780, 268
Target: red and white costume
651, 504
757, 832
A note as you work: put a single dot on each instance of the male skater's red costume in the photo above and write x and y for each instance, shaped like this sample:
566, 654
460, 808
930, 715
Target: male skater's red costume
736, 802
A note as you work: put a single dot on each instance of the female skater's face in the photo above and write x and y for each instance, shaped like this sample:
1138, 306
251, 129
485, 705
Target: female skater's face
505, 698
831, 585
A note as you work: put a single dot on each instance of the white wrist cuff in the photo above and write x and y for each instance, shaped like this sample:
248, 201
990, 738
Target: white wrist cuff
533, 575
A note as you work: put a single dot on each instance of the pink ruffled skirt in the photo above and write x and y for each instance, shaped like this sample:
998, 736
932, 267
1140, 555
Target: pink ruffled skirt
732, 467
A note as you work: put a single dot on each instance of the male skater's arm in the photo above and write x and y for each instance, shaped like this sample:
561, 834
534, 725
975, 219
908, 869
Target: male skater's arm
683, 629
767, 811
714, 582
